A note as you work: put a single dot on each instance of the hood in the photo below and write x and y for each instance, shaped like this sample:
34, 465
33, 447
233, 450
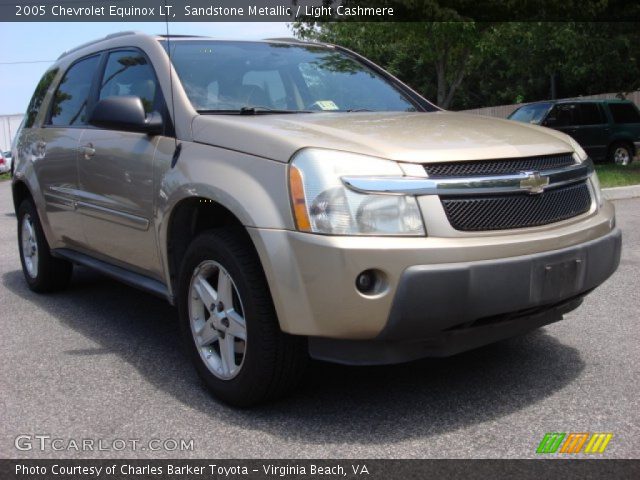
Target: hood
410, 137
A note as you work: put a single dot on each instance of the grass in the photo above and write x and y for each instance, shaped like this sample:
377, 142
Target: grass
5, 176
618, 176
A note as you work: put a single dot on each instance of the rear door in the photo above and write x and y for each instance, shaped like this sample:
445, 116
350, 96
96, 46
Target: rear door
116, 172
55, 151
626, 123
593, 130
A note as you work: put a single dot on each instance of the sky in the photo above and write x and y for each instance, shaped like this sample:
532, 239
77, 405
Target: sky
44, 42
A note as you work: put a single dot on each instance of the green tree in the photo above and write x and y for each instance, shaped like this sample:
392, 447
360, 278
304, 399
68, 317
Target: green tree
432, 57
471, 64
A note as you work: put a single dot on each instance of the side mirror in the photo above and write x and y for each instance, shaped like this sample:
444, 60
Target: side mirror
550, 122
125, 113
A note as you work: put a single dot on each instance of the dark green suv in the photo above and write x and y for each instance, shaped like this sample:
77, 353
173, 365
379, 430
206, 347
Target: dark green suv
609, 130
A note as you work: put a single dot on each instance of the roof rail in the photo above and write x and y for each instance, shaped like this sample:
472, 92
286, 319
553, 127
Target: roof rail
288, 40
111, 35
171, 35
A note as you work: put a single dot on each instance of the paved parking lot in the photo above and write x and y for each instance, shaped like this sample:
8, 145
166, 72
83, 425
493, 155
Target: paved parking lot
102, 361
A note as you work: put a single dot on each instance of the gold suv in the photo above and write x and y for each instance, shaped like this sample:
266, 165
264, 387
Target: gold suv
294, 199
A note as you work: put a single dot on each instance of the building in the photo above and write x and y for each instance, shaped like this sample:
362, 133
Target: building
8, 127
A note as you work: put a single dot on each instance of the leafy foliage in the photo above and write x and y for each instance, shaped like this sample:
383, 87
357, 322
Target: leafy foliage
473, 64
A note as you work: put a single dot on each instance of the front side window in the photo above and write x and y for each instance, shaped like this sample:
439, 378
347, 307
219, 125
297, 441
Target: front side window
227, 76
129, 73
69, 104
624, 113
564, 115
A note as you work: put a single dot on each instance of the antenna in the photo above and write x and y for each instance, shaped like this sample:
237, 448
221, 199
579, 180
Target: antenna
176, 153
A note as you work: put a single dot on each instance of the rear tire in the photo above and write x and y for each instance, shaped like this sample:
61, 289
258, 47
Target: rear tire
223, 296
620, 153
41, 270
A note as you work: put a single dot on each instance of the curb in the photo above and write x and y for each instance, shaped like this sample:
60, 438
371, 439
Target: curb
621, 193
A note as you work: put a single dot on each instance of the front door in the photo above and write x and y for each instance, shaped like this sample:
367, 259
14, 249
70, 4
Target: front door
116, 173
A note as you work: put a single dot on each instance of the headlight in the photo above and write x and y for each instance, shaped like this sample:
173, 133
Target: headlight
322, 204
582, 155
595, 183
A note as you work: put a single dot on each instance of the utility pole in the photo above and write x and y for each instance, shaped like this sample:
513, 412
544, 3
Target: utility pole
554, 86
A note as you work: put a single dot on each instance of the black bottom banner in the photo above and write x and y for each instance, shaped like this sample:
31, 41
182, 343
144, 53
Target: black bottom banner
325, 469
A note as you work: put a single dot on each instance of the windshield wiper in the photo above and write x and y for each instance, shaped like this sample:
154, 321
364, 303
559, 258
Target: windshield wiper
258, 109
251, 111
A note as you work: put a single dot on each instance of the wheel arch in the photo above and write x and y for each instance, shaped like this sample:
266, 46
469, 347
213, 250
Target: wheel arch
188, 218
622, 139
20, 192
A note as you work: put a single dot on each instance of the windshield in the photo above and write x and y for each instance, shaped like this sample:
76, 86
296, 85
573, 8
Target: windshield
230, 76
531, 113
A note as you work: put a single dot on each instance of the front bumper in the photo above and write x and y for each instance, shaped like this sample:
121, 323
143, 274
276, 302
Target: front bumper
435, 285
443, 310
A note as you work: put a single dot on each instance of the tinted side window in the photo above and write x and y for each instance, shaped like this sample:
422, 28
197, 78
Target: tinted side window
591, 114
624, 113
129, 73
69, 106
565, 114
38, 97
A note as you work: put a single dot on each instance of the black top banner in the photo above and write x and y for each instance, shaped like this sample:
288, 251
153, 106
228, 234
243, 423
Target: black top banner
317, 10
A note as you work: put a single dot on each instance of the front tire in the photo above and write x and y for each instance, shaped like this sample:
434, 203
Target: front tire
229, 324
41, 270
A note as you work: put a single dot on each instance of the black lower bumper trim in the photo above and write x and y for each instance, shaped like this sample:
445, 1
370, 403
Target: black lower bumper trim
433, 298
442, 344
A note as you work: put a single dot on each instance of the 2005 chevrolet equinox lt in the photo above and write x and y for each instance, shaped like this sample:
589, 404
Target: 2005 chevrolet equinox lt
294, 200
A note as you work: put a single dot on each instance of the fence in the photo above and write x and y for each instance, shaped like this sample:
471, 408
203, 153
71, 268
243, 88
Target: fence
503, 111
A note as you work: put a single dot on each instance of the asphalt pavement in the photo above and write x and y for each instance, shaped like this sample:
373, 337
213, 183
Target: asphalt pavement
102, 361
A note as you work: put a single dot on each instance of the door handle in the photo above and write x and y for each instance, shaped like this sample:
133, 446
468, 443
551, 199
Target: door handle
88, 151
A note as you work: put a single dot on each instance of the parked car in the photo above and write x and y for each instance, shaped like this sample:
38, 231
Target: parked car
608, 130
293, 198
5, 162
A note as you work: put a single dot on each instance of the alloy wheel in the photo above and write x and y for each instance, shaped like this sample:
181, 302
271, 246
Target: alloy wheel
217, 319
621, 156
29, 246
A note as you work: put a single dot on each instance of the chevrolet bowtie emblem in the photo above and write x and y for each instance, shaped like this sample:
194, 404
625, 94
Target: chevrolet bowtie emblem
534, 182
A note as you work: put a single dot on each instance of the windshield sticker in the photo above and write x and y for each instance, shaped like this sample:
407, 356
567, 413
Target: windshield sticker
326, 105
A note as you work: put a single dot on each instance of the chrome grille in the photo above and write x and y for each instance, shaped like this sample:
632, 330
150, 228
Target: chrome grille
501, 212
498, 167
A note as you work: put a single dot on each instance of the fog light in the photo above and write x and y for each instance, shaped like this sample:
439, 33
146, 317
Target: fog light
366, 281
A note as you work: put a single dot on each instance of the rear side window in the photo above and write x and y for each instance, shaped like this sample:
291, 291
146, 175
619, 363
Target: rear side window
591, 114
624, 113
38, 97
129, 73
69, 105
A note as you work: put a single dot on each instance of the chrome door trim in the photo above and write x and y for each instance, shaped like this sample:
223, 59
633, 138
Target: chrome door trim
110, 215
524, 182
